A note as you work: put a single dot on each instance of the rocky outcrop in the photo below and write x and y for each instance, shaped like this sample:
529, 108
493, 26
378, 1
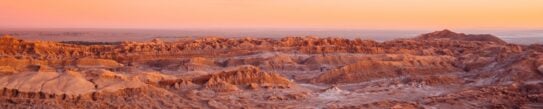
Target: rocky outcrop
221, 86
107, 81
388, 67
69, 82
198, 63
14, 63
245, 77
7, 70
97, 63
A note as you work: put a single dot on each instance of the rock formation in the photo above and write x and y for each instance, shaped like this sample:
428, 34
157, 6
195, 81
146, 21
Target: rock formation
247, 76
442, 69
97, 63
388, 67
447, 34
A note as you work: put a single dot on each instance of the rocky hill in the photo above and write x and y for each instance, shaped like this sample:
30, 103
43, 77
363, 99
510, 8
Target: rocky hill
449, 35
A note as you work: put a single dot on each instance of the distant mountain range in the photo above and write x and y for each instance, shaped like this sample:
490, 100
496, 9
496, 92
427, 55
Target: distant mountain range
114, 35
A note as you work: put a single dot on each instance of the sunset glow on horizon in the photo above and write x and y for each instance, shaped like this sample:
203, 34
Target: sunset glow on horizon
352, 14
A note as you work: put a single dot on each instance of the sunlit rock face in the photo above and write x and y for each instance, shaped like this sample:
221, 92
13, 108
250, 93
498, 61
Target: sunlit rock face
442, 69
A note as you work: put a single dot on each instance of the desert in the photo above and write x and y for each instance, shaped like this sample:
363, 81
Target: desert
441, 69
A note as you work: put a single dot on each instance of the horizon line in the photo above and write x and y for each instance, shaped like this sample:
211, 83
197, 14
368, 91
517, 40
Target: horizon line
269, 29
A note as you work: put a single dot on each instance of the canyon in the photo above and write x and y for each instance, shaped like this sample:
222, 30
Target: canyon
442, 69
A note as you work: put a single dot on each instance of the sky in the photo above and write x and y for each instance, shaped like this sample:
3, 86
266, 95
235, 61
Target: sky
327, 14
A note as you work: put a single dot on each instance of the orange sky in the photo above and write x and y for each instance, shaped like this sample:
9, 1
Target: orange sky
352, 14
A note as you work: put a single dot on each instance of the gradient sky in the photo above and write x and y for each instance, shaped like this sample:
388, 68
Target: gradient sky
352, 14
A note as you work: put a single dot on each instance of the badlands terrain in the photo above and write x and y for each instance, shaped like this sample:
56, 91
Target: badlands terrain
442, 69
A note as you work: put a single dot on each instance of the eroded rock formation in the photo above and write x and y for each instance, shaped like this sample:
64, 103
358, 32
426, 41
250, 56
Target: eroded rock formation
442, 69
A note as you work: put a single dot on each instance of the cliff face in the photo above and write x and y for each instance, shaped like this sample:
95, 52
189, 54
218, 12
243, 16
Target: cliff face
248, 76
388, 67
442, 69
242, 78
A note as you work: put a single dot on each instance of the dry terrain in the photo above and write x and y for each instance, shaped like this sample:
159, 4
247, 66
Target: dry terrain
442, 69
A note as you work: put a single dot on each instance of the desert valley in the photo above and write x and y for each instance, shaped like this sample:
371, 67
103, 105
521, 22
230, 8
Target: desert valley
442, 69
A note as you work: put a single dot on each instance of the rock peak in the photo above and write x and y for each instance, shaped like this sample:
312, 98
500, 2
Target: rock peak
444, 32
450, 35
